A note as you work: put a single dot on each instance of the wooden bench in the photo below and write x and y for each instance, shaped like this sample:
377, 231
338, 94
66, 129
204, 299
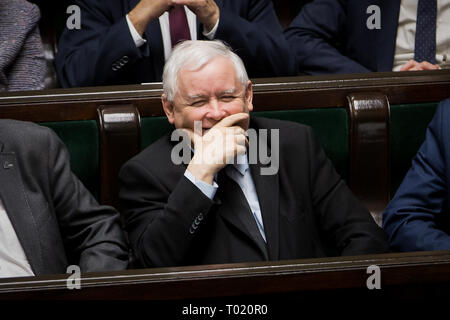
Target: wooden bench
288, 285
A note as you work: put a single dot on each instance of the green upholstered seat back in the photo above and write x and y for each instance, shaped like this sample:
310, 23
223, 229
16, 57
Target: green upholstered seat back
407, 133
152, 128
82, 141
330, 126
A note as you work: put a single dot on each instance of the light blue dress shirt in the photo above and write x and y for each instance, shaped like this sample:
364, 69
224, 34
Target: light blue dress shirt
240, 173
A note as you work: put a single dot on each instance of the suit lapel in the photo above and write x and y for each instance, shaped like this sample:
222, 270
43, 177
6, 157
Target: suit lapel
267, 188
235, 209
387, 35
18, 209
154, 36
200, 35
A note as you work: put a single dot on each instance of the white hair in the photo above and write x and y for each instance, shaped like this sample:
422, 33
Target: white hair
194, 54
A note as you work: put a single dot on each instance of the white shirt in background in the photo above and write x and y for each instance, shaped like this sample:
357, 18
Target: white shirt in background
13, 262
406, 33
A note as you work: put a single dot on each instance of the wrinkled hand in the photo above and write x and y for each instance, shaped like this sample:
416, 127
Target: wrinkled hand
207, 11
413, 65
217, 147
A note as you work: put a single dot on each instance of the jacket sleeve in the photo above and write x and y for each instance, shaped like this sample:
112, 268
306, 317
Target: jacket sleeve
316, 37
412, 218
162, 223
27, 70
346, 224
92, 234
101, 51
257, 37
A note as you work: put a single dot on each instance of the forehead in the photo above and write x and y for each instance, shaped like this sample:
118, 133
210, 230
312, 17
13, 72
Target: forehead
217, 74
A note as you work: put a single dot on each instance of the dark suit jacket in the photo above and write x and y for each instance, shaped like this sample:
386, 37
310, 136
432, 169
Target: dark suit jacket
307, 209
103, 51
56, 219
418, 217
331, 36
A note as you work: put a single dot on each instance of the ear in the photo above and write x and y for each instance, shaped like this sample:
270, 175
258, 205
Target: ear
168, 108
249, 96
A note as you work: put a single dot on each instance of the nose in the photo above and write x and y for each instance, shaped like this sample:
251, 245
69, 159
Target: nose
215, 111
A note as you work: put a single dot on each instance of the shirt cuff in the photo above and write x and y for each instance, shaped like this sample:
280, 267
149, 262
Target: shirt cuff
207, 189
138, 40
210, 35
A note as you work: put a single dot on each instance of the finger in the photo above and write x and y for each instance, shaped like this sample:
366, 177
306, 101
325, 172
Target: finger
234, 139
406, 66
240, 150
186, 2
232, 135
235, 133
237, 130
428, 66
410, 64
231, 120
241, 140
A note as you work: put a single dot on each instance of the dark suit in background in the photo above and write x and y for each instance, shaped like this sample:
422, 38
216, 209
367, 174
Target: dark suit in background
57, 221
418, 217
87, 56
307, 209
331, 36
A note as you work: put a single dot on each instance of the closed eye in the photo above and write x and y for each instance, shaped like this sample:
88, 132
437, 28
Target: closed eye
197, 103
227, 98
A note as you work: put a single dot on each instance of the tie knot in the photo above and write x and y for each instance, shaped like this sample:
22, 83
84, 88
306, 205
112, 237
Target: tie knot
176, 9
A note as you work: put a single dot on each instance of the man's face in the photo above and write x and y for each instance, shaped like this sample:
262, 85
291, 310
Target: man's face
208, 94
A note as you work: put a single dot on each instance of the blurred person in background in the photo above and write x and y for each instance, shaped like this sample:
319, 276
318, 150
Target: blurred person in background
22, 63
128, 41
357, 36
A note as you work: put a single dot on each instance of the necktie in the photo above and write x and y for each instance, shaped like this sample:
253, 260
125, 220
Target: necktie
425, 42
179, 28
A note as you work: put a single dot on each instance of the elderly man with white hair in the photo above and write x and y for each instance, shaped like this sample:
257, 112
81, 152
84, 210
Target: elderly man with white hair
221, 204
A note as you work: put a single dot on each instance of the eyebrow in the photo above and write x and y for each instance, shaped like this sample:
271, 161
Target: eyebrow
196, 96
229, 91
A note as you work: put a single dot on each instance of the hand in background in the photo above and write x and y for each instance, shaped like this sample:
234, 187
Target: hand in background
207, 11
146, 11
413, 65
